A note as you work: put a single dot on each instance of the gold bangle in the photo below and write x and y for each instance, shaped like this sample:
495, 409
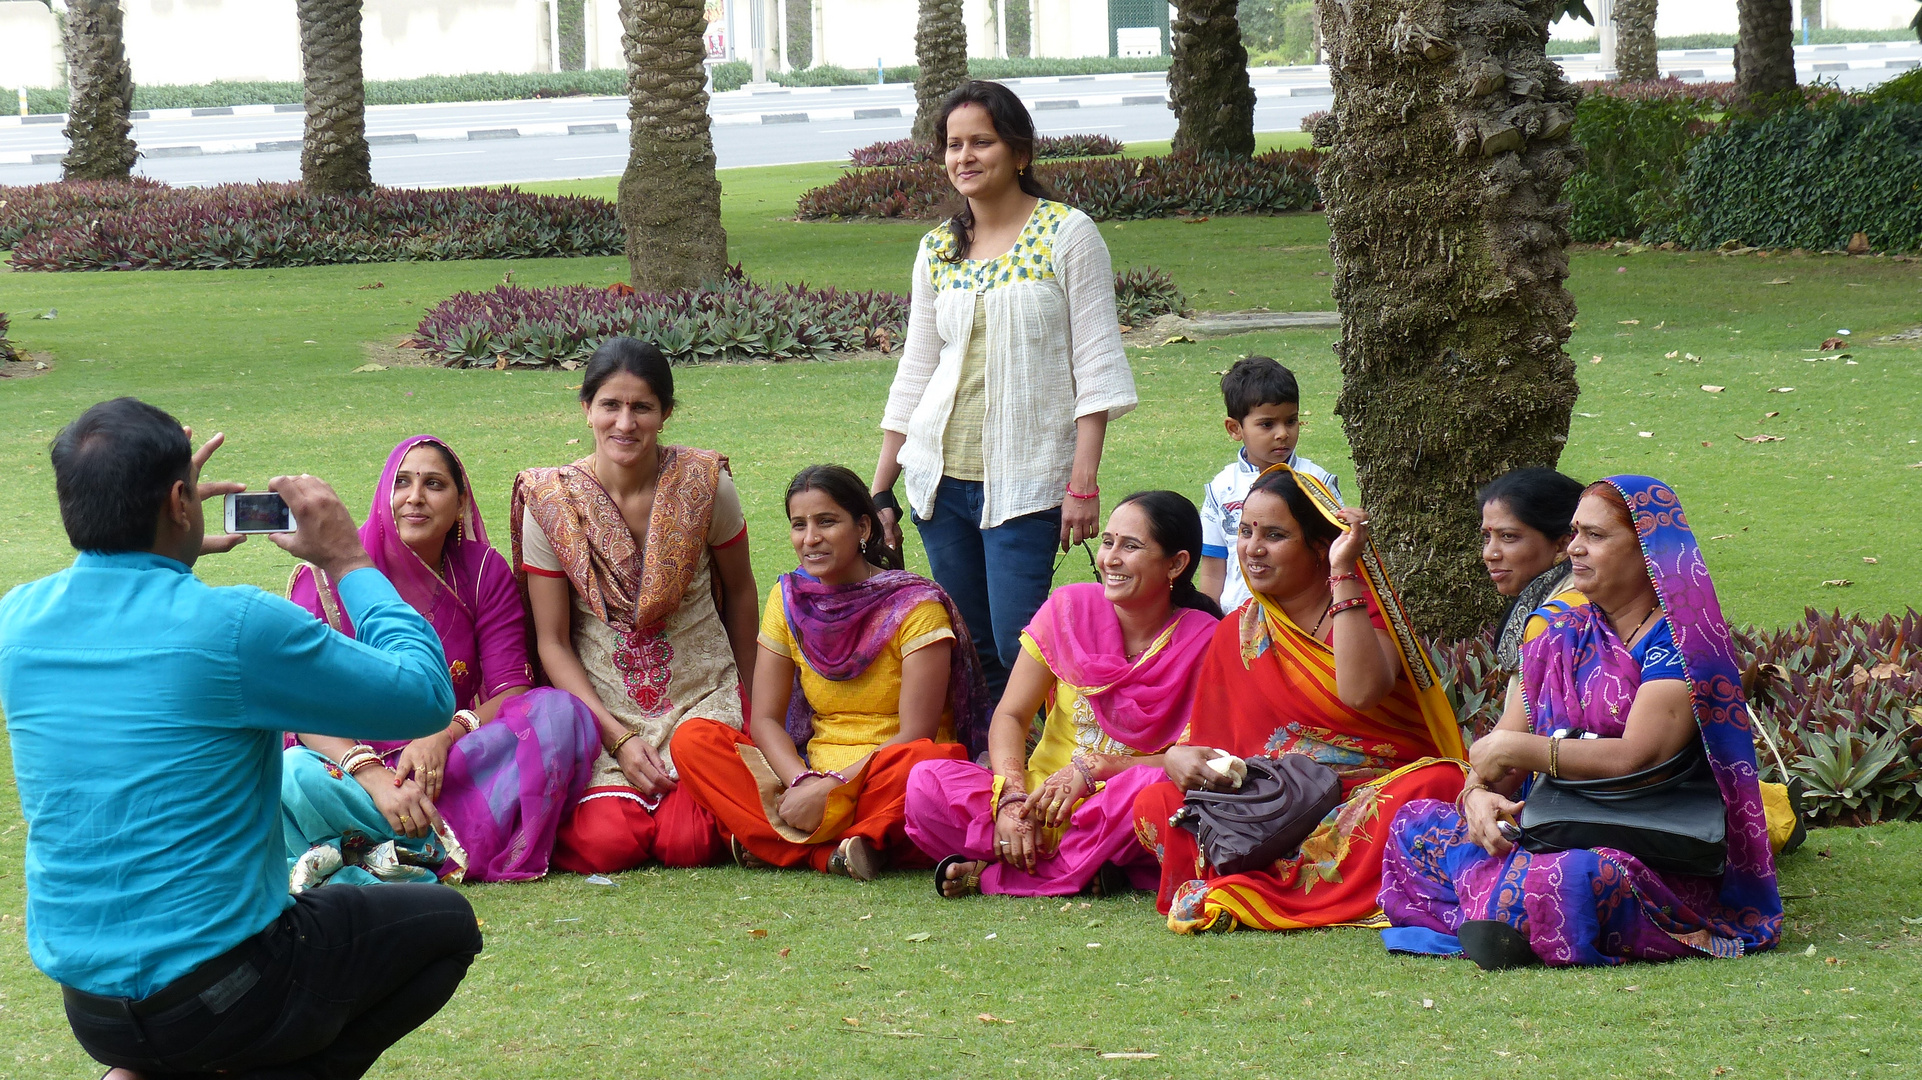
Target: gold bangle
615, 750
1554, 757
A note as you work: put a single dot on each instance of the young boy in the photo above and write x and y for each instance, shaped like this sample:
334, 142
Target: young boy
1264, 416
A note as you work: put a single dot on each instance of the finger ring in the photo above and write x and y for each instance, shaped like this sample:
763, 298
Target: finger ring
1005, 843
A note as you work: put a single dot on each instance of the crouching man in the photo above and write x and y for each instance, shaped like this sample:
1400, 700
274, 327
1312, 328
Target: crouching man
145, 711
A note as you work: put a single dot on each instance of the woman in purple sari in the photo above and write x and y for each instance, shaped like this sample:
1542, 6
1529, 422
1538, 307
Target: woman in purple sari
1641, 671
499, 779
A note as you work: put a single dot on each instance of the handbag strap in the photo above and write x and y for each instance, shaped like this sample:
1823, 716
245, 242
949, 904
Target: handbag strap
1673, 773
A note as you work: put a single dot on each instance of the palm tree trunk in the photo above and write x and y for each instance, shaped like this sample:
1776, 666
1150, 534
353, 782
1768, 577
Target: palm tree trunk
100, 95
941, 48
1635, 41
670, 199
334, 158
1208, 87
1449, 147
1764, 49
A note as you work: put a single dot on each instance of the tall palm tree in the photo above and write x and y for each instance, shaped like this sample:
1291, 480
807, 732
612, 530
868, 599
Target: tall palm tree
670, 199
333, 147
1208, 87
1764, 49
941, 48
1448, 147
1635, 41
100, 94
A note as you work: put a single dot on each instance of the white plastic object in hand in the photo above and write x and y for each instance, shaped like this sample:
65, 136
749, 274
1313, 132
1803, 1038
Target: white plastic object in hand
1230, 766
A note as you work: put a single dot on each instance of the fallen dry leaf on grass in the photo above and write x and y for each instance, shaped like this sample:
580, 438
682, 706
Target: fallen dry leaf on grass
988, 1018
1870, 559
1779, 281
375, 285
362, 369
1832, 343
1838, 583
1646, 434
1713, 389
1594, 359
757, 933
1781, 389
1178, 339
1760, 438
1770, 415
1629, 322
1671, 355
1130, 1056
922, 936
1723, 536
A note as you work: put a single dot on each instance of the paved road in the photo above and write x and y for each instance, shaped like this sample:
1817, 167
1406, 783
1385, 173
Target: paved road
521, 141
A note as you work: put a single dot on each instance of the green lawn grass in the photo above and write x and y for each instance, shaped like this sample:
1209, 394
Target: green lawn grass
661, 975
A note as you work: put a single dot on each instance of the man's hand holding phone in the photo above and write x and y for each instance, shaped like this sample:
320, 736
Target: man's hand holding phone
326, 535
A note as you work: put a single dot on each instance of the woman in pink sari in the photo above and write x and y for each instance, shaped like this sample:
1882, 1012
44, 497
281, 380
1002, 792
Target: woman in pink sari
1114, 663
500, 777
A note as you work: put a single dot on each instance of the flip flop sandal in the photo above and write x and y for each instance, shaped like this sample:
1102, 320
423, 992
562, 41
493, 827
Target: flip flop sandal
1495, 946
744, 858
970, 883
855, 858
1110, 880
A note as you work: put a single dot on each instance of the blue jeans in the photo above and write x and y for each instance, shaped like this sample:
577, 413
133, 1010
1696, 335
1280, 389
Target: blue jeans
997, 606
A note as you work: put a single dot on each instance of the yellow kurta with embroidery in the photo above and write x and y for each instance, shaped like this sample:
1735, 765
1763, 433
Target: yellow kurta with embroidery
853, 718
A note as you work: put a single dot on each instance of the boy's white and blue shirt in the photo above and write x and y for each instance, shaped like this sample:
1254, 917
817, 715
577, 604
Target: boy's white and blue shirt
1221, 516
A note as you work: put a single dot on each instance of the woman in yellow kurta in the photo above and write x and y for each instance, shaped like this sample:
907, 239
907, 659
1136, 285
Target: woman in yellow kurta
864, 669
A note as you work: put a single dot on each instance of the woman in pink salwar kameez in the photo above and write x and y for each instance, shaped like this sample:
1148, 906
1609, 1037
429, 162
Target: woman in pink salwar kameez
1114, 663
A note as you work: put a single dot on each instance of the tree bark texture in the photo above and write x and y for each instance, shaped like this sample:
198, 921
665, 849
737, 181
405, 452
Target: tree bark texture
1208, 87
100, 97
1635, 41
1450, 142
334, 158
1764, 48
941, 48
670, 199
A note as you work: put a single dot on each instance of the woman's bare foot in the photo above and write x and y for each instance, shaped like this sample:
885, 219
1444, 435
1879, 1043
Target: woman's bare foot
961, 878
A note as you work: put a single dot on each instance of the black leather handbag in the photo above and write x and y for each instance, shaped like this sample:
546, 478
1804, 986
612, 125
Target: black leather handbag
1277, 806
1670, 816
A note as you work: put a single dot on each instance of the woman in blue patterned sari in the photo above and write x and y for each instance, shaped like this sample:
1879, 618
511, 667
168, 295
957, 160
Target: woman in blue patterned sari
1643, 668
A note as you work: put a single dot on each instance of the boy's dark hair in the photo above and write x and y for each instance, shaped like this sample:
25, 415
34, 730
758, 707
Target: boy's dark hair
1256, 381
113, 468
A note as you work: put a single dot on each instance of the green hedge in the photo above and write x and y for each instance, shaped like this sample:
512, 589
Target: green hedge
1637, 151
1807, 178
610, 82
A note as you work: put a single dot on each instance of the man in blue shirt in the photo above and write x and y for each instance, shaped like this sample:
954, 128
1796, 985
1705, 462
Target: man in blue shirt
145, 711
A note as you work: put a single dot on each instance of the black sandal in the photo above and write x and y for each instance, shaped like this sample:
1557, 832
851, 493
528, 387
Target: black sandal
1110, 880
970, 883
1495, 946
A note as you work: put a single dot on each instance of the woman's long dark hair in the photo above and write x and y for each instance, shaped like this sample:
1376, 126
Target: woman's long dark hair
1317, 531
849, 493
1175, 525
1014, 126
1542, 499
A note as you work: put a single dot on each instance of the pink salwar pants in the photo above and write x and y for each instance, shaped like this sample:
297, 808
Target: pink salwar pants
947, 814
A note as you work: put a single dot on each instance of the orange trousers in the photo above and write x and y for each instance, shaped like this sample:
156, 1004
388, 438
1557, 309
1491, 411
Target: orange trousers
712, 771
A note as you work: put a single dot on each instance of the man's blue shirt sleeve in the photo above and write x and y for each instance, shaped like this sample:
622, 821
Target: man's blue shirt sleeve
388, 682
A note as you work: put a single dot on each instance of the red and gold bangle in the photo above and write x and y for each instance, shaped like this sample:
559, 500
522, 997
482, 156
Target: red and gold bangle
1347, 605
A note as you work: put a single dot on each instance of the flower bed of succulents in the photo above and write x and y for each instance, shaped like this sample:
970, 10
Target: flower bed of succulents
1106, 189
910, 152
731, 320
1836, 702
6, 347
149, 226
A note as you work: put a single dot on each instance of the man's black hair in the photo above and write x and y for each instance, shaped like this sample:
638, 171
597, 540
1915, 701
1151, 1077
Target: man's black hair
113, 468
1255, 381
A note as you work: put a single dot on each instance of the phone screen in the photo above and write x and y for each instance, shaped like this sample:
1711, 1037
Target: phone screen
258, 513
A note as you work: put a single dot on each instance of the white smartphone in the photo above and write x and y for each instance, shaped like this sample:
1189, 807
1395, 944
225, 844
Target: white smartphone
265, 512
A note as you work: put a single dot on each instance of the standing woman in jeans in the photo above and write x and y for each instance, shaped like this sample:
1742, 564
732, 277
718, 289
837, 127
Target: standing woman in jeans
1012, 368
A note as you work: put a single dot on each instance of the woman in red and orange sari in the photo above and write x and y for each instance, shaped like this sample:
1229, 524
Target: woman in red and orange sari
1320, 662
635, 563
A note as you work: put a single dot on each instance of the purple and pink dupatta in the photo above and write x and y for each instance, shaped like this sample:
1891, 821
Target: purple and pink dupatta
841, 629
1143, 703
